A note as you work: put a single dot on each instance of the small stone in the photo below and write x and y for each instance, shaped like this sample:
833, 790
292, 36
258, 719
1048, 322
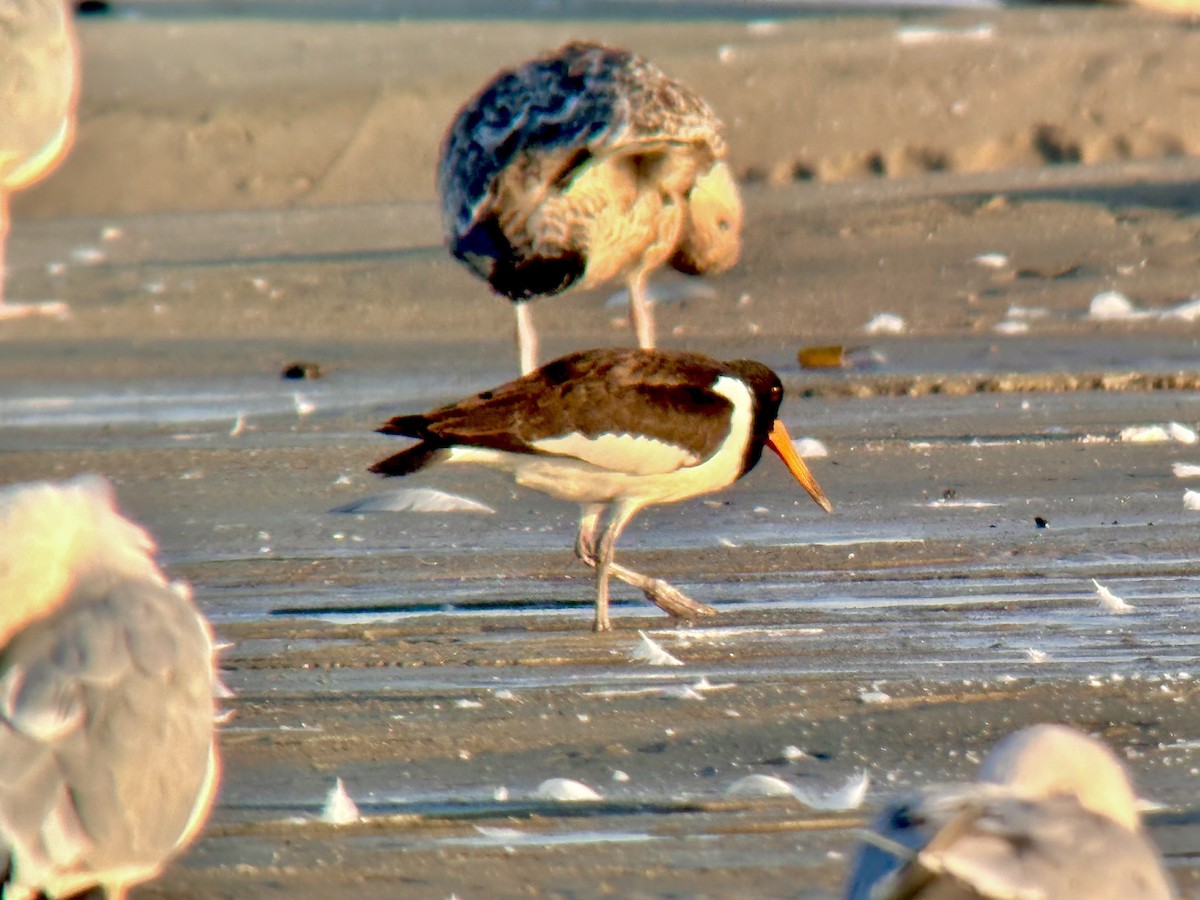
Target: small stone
302, 371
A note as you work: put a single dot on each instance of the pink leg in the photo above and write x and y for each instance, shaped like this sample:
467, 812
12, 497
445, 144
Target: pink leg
527, 340
641, 311
18, 310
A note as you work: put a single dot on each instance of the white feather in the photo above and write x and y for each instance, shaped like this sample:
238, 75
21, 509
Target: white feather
1110, 306
1188, 310
886, 323
760, 786
303, 405
649, 652
1181, 433
1011, 326
849, 796
339, 808
1145, 434
811, 448
565, 790
1110, 602
420, 500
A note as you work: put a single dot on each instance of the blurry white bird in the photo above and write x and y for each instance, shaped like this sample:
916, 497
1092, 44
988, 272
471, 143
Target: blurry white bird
1052, 817
581, 166
107, 757
39, 90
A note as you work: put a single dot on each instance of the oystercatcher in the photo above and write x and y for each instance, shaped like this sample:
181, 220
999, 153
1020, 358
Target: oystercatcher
108, 762
39, 90
1051, 815
614, 430
581, 166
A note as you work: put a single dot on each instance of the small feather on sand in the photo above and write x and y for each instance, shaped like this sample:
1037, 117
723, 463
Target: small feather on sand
565, 790
339, 809
652, 654
418, 500
1110, 602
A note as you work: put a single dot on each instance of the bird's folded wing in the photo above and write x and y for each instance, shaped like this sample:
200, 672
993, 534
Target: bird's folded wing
1020, 850
636, 426
106, 724
585, 96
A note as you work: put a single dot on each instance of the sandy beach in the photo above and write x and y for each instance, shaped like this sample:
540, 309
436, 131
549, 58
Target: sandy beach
250, 191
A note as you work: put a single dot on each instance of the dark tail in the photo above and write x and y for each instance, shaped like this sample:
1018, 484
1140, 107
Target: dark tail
408, 461
407, 426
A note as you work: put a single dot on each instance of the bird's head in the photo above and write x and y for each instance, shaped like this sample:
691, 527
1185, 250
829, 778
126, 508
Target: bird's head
769, 430
711, 237
54, 535
1046, 761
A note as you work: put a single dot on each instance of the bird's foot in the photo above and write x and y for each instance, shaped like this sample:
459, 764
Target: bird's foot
601, 625
674, 602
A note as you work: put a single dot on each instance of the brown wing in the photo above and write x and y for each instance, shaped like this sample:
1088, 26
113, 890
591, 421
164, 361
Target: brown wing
663, 396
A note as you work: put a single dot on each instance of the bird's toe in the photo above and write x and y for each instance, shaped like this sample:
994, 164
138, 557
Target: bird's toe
675, 603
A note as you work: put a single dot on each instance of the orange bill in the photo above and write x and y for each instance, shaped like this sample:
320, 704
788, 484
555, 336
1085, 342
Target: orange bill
779, 441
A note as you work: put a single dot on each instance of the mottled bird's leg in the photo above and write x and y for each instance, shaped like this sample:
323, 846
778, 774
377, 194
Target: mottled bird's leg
640, 310
669, 599
600, 556
527, 340
4, 229
17, 310
598, 553
585, 540
665, 212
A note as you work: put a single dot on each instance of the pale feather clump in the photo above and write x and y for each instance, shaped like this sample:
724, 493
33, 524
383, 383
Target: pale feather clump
55, 535
1052, 814
39, 87
1046, 761
39, 92
108, 765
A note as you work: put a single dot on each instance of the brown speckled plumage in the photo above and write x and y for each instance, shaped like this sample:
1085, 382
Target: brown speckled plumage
582, 166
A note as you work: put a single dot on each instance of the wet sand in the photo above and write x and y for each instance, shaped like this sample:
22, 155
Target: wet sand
431, 660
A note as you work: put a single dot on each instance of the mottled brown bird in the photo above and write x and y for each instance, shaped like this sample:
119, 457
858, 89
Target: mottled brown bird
108, 765
615, 430
1052, 815
582, 166
39, 89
